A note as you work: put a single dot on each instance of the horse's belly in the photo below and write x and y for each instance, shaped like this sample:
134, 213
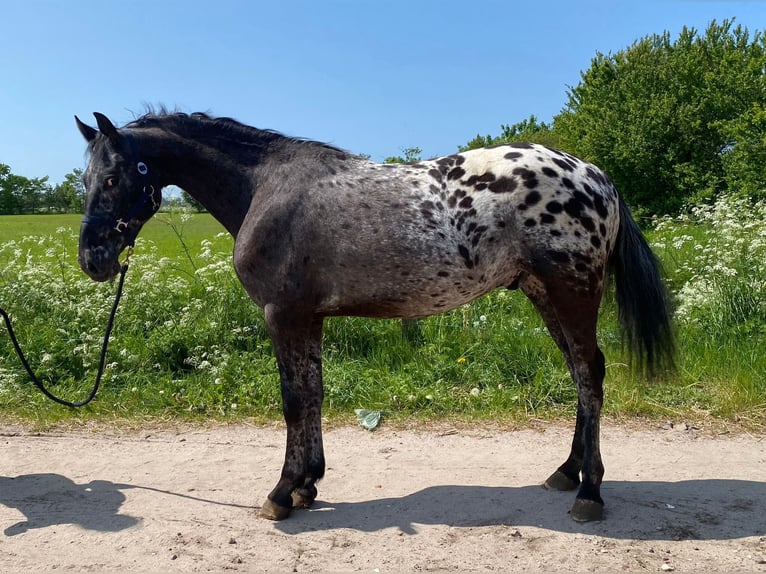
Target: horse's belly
417, 290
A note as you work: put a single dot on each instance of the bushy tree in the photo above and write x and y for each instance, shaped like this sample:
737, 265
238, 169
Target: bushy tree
19, 194
672, 122
528, 130
411, 155
744, 163
69, 195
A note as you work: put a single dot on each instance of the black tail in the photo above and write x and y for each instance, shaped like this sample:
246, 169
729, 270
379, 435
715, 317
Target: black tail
644, 306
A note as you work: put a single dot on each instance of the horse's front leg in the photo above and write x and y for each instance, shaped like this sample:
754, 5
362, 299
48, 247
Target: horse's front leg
304, 495
297, 346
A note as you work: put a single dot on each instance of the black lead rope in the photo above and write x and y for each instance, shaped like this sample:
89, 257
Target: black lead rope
104, 346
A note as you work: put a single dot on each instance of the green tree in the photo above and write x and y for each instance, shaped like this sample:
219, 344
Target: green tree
19, 194
661, 117
411, 155
191, 202
529, 130
8, 201
69, 195
744, 163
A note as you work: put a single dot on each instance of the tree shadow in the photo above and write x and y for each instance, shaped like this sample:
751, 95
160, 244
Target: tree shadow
706, 509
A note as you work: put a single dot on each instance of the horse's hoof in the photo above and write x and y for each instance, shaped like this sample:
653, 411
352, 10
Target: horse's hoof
585, 510
560, 481
302, 499
272, 511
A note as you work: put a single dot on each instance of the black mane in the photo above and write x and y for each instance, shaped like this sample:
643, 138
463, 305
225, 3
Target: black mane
200, 124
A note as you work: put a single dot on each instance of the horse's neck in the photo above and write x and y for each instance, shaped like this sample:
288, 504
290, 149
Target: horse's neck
213, 177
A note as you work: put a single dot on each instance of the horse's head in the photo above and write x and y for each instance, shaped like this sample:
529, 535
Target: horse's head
123, 192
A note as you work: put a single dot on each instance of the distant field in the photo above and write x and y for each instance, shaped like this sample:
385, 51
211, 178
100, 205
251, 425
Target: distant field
159, 230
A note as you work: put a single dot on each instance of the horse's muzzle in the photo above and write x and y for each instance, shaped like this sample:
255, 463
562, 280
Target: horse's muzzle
99, 263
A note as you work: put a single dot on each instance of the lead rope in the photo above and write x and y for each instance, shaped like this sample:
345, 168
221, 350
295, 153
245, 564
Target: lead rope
104, 346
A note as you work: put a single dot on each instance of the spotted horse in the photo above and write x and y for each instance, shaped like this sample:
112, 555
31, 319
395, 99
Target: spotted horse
321, 232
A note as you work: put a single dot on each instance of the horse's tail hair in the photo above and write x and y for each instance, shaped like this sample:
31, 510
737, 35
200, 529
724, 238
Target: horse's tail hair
643, 302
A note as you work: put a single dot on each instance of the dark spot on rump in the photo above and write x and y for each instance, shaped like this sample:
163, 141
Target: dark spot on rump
601, 209
435, 173
547, 218
567, 182
447, 160
513, 155
550, 172
456, 173
528, 176
602, 229
532, 198
520, 145
503, 185
583, 198
443, 274
530, 222
486, 177
588, 224
596, 175
573, 208
554, 207
595, 240
500, 224
459, 159
466, 202
565, 164
555, 233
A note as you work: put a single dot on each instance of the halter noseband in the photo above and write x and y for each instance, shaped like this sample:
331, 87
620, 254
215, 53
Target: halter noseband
147, 198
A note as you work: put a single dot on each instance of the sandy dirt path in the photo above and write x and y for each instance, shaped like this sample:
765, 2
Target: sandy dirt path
392, 500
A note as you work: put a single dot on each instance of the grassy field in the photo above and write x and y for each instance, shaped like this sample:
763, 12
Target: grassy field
188, 343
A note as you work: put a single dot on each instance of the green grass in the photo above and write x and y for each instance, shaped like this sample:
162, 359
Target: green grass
188, 343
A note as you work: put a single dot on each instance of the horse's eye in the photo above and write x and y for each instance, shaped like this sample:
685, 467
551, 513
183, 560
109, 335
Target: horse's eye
110, 182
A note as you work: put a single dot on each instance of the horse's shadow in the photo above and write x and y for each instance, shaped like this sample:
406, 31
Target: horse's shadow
705, 509
52, 499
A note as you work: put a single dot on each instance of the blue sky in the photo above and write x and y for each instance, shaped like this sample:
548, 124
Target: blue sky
371, 77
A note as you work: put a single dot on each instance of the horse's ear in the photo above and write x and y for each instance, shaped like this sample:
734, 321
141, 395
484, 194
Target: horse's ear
106, 126
87, 132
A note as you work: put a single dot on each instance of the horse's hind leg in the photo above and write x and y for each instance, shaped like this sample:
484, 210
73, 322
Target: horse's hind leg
571, 320
297, 346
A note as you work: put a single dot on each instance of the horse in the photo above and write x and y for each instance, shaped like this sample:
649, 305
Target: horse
322, 232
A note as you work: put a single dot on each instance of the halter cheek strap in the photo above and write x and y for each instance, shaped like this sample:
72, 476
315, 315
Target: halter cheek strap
148, 199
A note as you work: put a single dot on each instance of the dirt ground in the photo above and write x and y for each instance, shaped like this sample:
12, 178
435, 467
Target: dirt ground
446, 499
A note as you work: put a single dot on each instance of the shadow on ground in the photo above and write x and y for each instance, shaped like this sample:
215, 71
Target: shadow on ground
687, 510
